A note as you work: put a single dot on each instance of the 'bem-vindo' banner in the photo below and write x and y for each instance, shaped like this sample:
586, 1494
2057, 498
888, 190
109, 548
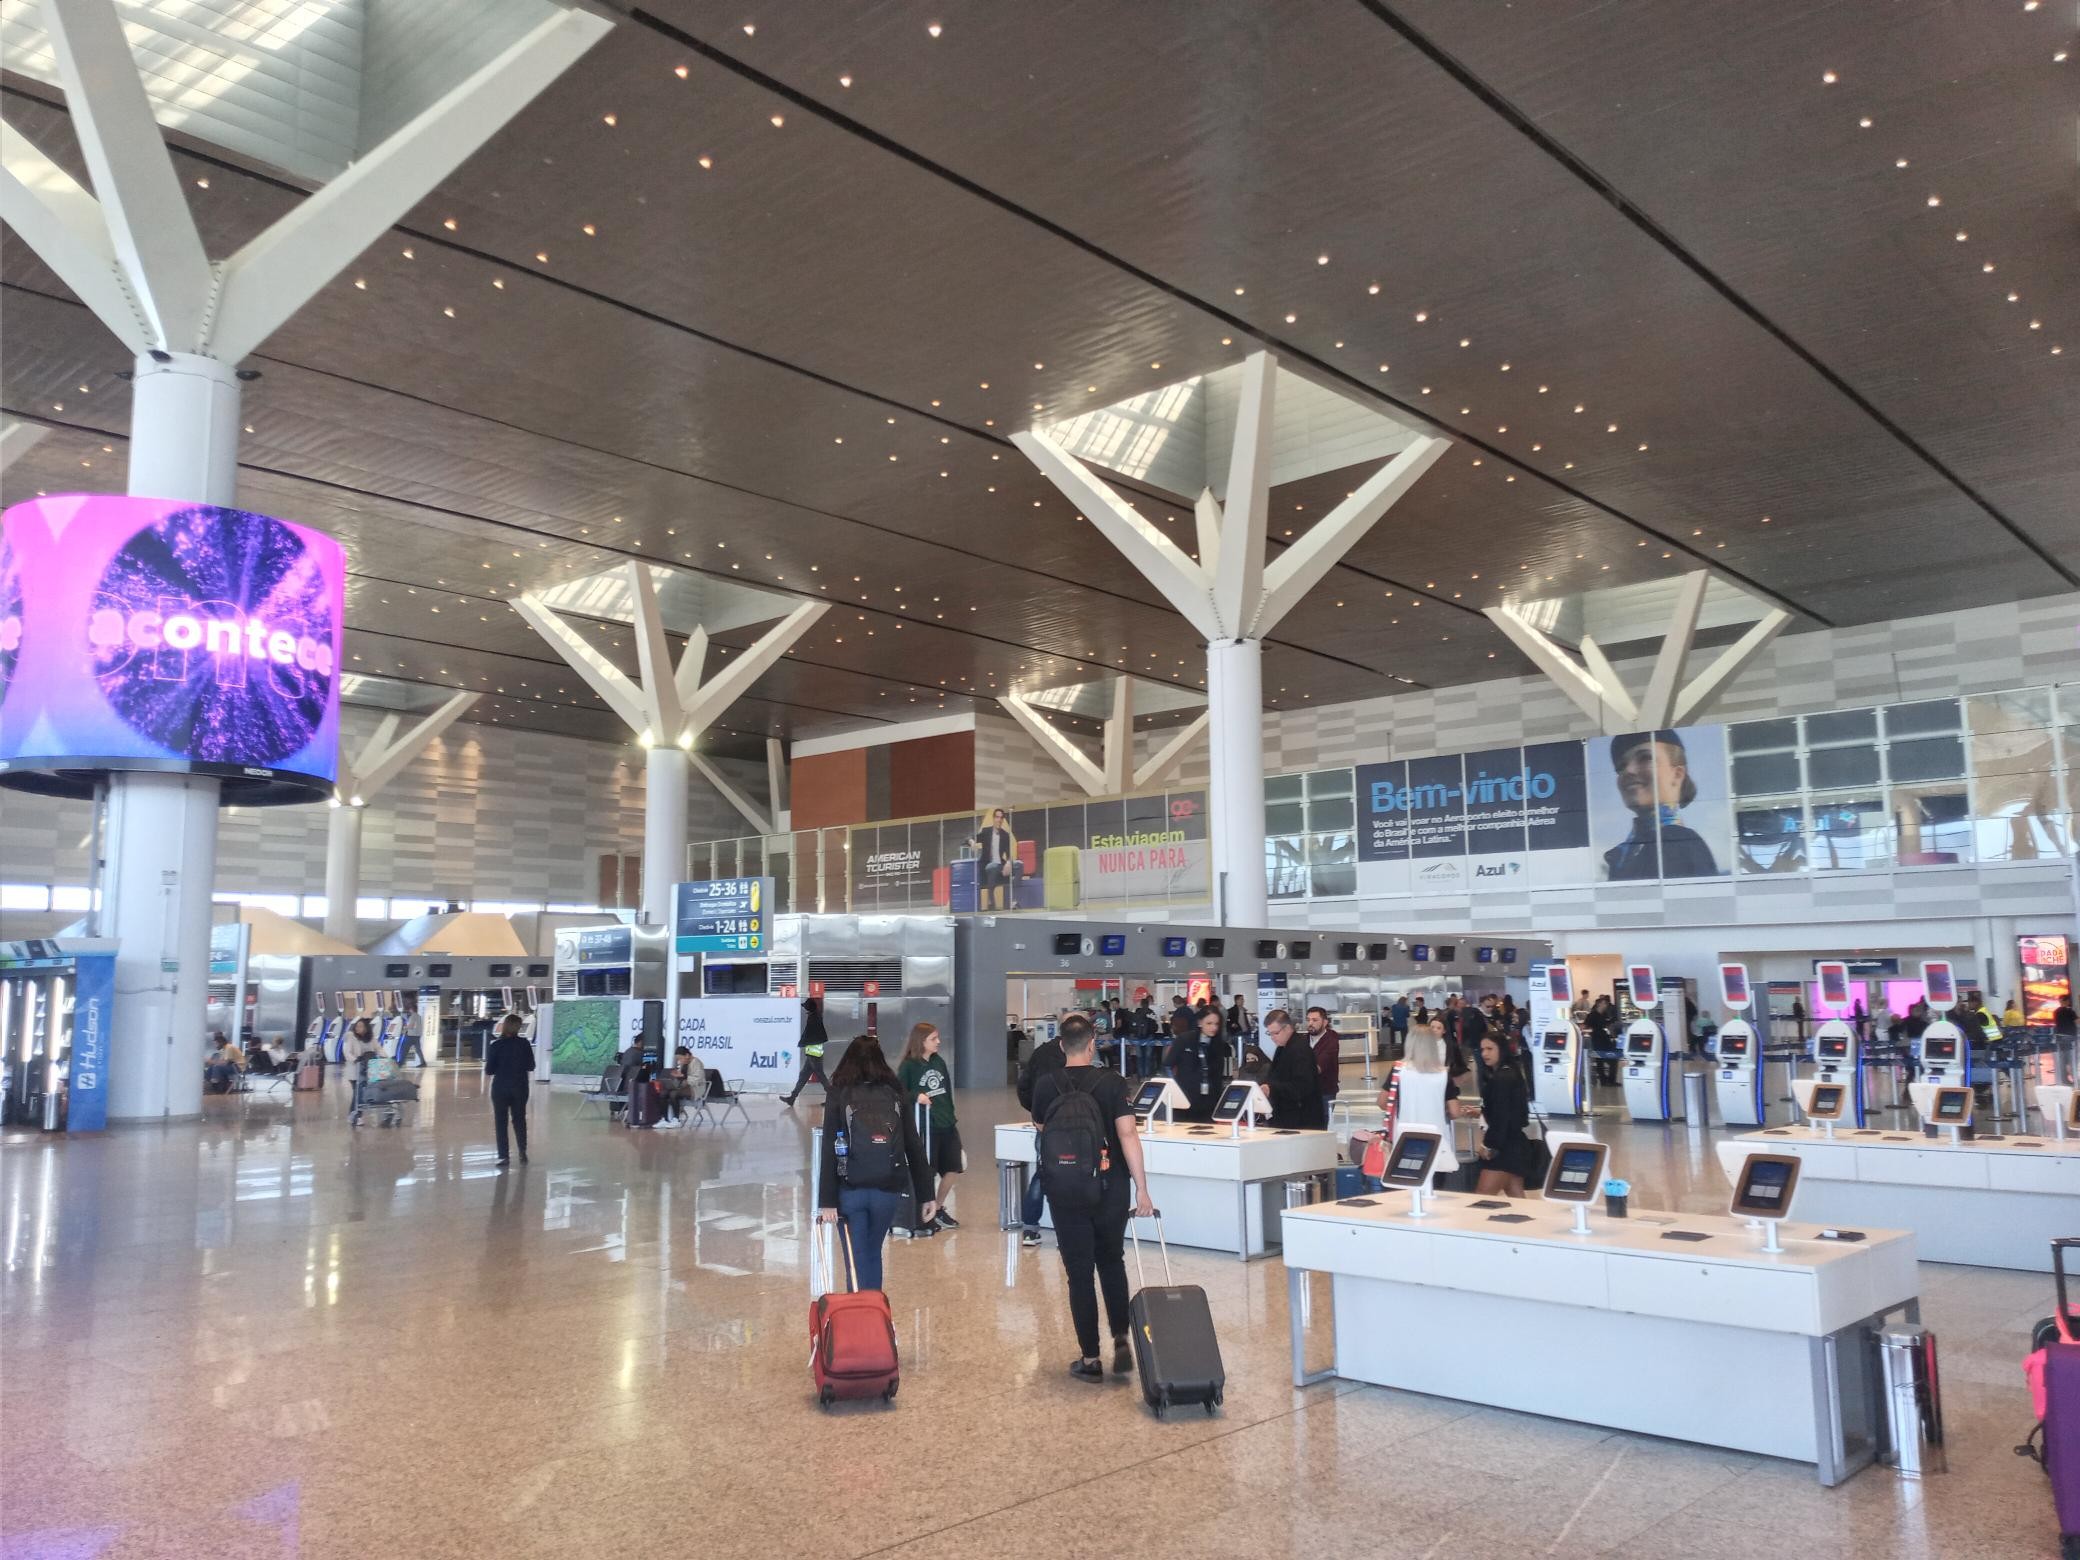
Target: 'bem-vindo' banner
140, 633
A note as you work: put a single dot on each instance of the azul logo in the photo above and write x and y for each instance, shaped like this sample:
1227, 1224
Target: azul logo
1483, 790
765, 1058
1500, 869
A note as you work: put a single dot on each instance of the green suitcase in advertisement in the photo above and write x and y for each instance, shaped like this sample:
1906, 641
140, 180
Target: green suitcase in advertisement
1064, 876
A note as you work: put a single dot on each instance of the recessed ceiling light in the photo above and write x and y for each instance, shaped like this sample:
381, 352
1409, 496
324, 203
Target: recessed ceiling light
361, 282
1422, 315
844, 81
1864, 123
1899, 162
589, 230
1465, 341
605, 119
934, 28
1829, 77
680, 71
1935, 200
707, 162
1292, 319
1987, 267
1962, 235
778, 120
1373, 289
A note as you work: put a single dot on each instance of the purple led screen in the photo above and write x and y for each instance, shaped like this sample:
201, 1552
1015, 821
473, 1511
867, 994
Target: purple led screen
144, 631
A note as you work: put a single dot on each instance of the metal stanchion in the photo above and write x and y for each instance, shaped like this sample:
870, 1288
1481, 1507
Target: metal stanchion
1011, 1193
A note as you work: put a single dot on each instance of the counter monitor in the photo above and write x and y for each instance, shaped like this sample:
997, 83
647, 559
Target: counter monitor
1214, 947
1940, 1049
1577, 1172
1953, 1107
1828, 1100
1173, 947
1415, 1151
1300, 950
1112, 944
1346, 950
1767, 1184
1555, 1042
1833, 1048
1640, 1043
1732, 1045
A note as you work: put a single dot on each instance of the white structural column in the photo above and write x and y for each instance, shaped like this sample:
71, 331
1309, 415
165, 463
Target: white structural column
1234, 596
130, 251
667, 710
1116, 773
1594, 687
380, 761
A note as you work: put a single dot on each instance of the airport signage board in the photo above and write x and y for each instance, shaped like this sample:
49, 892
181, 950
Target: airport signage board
723, 915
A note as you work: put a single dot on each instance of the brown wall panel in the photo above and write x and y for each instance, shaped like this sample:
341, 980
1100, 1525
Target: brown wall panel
829, 789
932, 775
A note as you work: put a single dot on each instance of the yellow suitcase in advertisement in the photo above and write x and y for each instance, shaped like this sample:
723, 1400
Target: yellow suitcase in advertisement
1063, 870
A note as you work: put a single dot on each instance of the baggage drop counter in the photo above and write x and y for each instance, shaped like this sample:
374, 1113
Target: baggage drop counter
1216, 1192
1676, 1325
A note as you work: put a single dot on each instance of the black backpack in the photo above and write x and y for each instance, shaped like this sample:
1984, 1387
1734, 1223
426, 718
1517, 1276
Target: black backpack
1072, 1146
874, 1159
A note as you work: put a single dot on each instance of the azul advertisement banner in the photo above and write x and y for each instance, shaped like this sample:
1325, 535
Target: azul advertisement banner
1664, 811
1472, 820
146, 634
746, 1039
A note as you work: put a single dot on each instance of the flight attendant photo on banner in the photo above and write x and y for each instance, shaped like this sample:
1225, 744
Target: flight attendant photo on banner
1665, 814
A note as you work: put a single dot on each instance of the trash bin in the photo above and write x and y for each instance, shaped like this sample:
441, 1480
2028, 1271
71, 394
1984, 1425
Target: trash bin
1011, 1193
1697, 1100
1302, 1190
1913, 1400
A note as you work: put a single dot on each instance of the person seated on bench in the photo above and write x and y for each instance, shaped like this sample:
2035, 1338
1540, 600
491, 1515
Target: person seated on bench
224, 1065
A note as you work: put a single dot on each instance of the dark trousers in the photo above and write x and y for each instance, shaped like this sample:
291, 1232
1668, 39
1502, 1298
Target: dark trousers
812, 1071
1035, 1201
1093, 1244
513, 1107
412, 1051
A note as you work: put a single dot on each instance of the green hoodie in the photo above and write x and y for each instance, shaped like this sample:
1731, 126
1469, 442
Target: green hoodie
931, 1075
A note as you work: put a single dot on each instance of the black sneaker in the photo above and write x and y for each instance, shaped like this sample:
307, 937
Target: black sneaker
1088, 1370
947, 1221
1122, 1357
503, 1163
1030, 1238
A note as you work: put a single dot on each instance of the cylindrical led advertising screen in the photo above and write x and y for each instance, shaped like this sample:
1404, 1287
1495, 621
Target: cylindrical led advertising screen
142, 633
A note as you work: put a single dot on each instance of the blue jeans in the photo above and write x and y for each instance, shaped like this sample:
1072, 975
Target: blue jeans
1034, 1203
868, 1215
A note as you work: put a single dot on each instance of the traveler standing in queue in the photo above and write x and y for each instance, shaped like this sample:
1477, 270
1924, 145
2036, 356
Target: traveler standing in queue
1506, 1113
926, 1078
1295, 1090
1087, 1139
872, 1157
1397, 1024
1045, 1060
1196, 1057
814, 1039
1598, 1024
509, 1064
1328, 1057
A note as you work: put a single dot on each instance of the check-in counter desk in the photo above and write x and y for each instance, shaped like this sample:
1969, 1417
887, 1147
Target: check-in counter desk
1714, 1341
1989, 1201
1216, 1192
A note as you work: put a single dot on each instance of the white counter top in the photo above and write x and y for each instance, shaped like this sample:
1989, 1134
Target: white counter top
1813, 1287
1996, 1202
1175, 1149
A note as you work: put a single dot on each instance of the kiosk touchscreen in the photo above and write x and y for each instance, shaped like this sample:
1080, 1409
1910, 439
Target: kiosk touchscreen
1574, 1176
1951, 1108
1649, 1093
1240, 1103
1409, 1163
1827, 1104
1159, 1096
1838, 1058
1767, 1184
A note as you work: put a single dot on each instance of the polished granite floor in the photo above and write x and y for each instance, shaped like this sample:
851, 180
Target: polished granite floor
267, 1334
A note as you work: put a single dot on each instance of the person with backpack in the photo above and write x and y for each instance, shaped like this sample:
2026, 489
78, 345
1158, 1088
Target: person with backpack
1046, 1059
871, 1156
926, 1078
1089, 1163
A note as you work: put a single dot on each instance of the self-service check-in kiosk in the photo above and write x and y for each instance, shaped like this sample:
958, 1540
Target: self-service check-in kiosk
1838, 1058
1943, 1051
1738, 1080
1558, 1084
1651, 1093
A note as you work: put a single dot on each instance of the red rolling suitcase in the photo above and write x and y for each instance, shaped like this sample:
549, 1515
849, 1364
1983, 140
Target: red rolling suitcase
2054, 1378
852, 1342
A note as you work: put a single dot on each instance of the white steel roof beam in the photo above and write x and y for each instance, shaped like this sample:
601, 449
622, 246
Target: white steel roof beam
1056, 745
748, 809
57, 218
382, 759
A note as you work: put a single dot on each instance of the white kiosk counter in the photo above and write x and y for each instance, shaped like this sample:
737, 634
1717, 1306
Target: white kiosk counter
1639, 1325
1987, 1201
1216, 1191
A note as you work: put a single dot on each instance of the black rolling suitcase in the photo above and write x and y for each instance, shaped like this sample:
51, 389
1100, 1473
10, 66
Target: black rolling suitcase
1174, 1341
910, 1223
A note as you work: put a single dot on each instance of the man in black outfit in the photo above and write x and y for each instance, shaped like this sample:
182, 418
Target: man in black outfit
1046, 1059
509, 1064
1093, 1241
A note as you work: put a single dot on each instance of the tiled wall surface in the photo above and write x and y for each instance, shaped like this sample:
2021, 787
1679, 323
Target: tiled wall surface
486, 812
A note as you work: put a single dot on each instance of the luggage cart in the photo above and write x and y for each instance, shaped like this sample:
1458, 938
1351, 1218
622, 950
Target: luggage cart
381, 1091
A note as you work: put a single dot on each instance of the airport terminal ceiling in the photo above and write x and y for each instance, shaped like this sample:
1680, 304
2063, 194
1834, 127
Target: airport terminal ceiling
760, 297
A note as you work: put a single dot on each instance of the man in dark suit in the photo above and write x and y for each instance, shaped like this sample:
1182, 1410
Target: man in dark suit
509, 1064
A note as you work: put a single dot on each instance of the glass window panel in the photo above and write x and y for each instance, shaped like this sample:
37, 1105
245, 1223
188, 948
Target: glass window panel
1762, 774
1333, 864
1285, 788
1335, 812
2019, 709
1850, 833
1842, 726
1285, 818
1331, 782
1933, 824
31, 896
1285, 866
1760, 736
1929, 715
1769, 835
1830, 768
1926, 758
